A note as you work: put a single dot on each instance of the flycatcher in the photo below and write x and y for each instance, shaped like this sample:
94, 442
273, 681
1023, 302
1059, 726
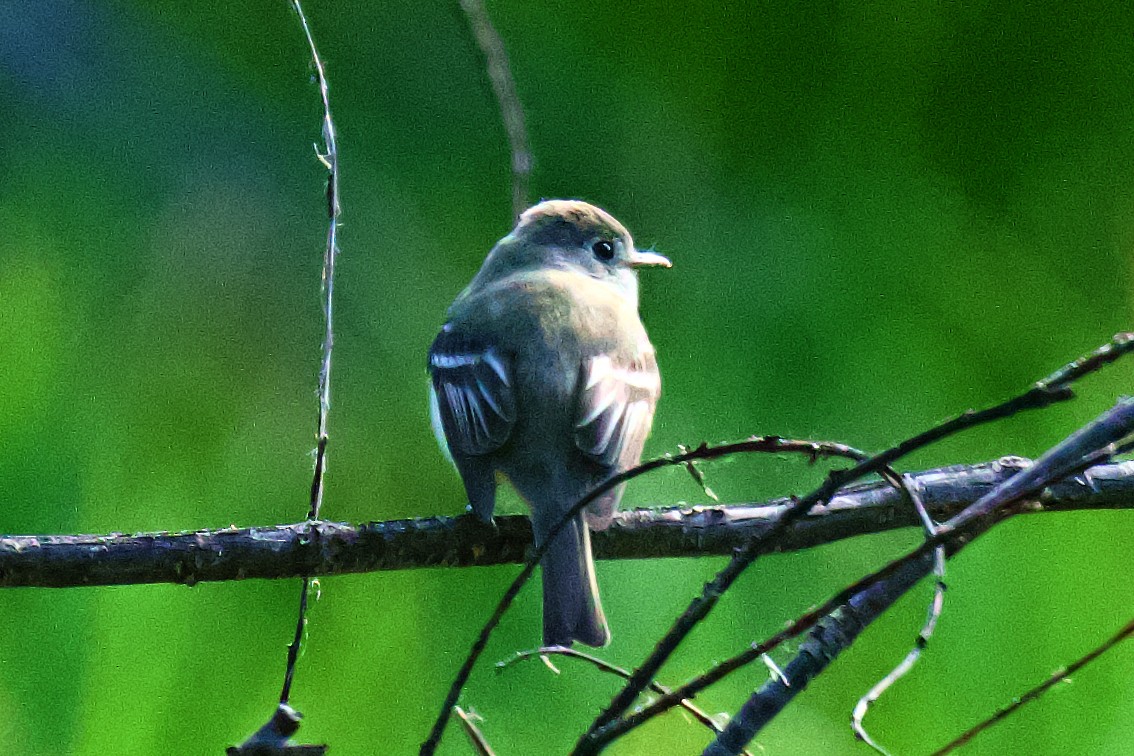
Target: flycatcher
543, 372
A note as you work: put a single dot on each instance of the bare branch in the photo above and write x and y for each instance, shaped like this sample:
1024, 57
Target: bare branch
504, 87
873, 593
472, 731
1060, 675
837, 631
330, 548
276, 734
1050, 390
329, 157
832, 634
923, 637
601, 664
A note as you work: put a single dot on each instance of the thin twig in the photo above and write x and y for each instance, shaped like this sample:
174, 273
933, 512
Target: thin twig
695, 711
698, 476
1060, 676
924, 635
1052, 389
274, 737
472, 731
504, 87
952, 541
754, 445
1063, 460
833, 633
329, 157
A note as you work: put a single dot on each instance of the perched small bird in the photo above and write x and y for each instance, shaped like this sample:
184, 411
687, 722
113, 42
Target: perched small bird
544, 373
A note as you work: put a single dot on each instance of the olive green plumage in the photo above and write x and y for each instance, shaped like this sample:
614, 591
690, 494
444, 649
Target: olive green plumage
543, 373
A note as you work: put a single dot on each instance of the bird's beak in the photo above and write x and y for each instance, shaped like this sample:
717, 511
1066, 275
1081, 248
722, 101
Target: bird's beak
640, 259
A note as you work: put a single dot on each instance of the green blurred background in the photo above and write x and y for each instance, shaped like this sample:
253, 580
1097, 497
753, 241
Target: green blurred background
879, 216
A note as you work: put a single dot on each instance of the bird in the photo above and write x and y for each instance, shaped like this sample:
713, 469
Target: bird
543, 375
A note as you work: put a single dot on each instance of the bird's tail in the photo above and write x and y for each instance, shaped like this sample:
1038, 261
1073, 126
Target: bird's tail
571, 608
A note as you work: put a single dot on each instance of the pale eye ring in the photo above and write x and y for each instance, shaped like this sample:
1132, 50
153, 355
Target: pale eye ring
603, 249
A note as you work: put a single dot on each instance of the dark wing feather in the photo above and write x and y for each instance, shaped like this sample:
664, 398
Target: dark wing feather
473, 386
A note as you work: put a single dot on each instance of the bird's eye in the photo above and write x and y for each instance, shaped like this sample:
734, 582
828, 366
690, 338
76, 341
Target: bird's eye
603, 249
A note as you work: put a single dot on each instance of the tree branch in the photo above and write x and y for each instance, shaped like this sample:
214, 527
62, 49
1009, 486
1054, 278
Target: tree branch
839, 629
328, 548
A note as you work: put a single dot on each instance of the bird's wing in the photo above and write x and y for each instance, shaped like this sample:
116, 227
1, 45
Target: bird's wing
473, 387
615, 408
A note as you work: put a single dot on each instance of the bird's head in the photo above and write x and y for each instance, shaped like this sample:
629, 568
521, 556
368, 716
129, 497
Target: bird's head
576, 236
